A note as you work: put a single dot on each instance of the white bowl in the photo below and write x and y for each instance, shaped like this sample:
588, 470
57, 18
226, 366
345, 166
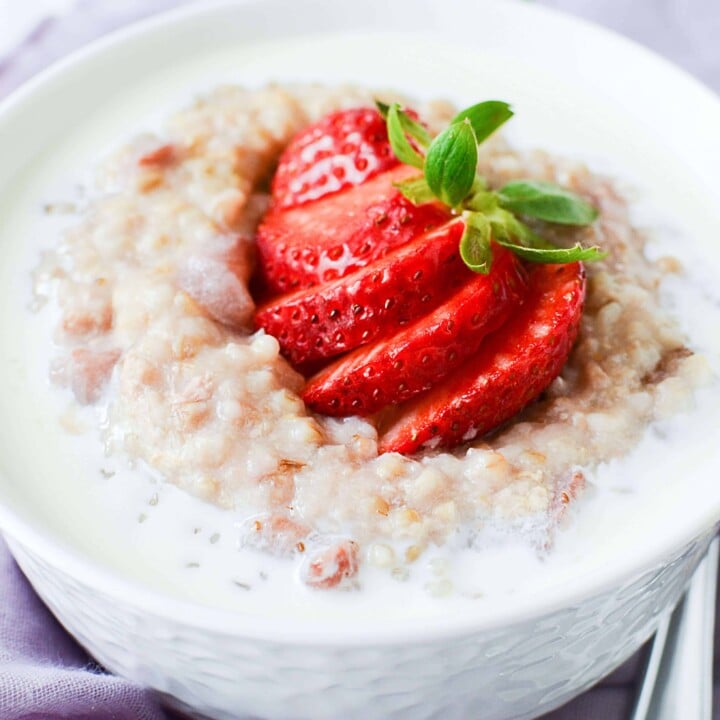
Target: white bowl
577, 87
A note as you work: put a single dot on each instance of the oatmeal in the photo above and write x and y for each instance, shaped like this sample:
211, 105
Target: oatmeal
154, 292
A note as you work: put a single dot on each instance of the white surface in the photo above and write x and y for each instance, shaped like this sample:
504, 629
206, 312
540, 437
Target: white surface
526, 653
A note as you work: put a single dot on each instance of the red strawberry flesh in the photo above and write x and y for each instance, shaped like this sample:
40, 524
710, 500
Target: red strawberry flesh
332, 318
335, 236
513, 367
342, 149
420, 355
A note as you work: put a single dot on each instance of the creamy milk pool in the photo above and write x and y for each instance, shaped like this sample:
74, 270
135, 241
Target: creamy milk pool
175, 542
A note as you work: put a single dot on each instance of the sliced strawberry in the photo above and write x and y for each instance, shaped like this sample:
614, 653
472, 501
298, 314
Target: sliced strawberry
513, 366
332, 237
329, 319
342, 149
420, 355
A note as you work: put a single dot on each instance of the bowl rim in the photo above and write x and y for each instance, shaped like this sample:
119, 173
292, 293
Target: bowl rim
19, 528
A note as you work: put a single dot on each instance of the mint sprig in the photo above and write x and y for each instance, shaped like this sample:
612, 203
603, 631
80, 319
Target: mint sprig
449, 174
546, 201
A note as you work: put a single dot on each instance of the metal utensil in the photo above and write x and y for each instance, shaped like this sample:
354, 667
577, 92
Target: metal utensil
678, 679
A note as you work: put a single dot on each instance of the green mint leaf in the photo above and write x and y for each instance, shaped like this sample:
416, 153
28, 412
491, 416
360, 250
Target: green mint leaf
411, 127
382, 108
505, 225
546, 201
451, 163
556, 254
416, 190
475, 243
485, 117
518, 237
401, 146
415, 129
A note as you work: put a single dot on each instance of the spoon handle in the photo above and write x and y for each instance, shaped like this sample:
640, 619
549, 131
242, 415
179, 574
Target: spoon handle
678, 680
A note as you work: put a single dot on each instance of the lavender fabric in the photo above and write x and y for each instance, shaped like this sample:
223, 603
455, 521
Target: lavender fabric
44, 674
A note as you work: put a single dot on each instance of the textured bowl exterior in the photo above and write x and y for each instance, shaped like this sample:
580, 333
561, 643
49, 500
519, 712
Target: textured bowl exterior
515, 671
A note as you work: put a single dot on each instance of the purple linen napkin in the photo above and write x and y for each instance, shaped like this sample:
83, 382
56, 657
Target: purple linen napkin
44, 673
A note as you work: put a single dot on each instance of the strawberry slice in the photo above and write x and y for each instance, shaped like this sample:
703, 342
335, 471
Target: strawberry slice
329, 319
331, 238
420, 355
342, 149
515, 364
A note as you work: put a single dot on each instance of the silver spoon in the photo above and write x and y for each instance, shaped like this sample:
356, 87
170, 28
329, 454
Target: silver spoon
678, 680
